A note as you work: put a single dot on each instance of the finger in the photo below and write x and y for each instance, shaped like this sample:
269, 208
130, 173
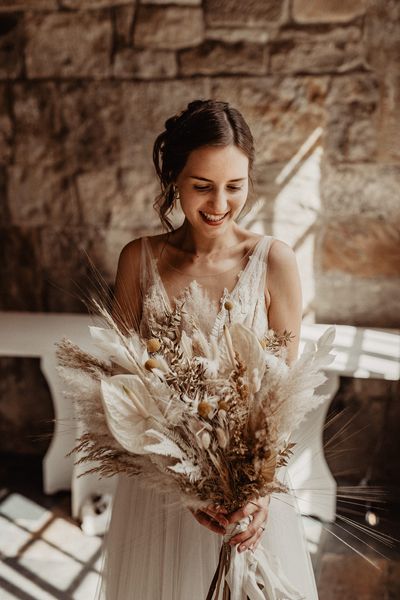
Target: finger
208, 522
216, 516
258, 521
246, 510
251, 542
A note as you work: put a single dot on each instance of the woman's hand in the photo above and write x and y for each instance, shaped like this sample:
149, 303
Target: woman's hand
250, 538
211, 518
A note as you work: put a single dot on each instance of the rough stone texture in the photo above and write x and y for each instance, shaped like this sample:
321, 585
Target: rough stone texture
339, 50
383, 47
350, 300
327, 11
362, 189
70, 44
282, 112
352, 119
92, 118
116, 199
170, 27
6, 127
11, 46
231, 35
215, 58
20, 283
254, 13
145, 107
93, 4
123, 18
179, 2
145, 64
25, 405
39, 195
39, 132
24, 5
349, 577
365, 247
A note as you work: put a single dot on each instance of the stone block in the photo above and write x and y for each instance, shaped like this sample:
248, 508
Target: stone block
92, 116
327, 11
145, 108
145, 64
123, 19
6, 126
349, 191
41, 195
352, 119
177, 2
11, 46
117, 199
253, 13
25, 5
38, 128
212, 58
170, 27
21, 286
282, 112
232, 35
338, 50
94, 4
349, 577
350, 300
68, 44
26, 408
365, 247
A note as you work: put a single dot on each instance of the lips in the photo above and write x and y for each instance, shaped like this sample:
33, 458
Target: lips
212, 219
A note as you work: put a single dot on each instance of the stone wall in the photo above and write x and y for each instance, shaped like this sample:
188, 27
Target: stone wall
86, 86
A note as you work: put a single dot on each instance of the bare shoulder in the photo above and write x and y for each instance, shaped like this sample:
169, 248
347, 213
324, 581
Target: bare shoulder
281, 256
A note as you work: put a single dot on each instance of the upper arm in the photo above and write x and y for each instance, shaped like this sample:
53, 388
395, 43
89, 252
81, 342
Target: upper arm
284, 287
127, 304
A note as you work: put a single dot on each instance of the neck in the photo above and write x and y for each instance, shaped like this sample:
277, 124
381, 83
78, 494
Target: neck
192, 241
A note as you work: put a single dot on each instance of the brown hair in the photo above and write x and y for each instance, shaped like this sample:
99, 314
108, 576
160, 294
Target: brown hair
202, 123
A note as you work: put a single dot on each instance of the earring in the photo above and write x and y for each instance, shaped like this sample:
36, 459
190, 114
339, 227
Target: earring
176, 194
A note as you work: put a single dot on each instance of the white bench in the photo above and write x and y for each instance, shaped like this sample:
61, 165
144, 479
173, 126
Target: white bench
360, 352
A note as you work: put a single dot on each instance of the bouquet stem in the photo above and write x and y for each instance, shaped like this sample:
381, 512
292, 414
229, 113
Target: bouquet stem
219, 575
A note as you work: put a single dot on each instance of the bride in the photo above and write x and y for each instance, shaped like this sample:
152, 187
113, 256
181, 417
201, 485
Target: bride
156, 549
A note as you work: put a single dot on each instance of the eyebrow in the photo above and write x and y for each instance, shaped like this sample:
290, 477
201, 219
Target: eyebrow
210, 181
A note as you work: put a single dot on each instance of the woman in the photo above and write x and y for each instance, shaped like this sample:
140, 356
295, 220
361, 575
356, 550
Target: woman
157, 550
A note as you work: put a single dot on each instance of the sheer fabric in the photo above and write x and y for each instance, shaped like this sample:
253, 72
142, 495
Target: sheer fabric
155, 549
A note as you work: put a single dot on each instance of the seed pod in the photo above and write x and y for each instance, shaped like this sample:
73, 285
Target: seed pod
152, 363
228, 305
221, 437
153, 345
205, 440
204, 409
223, 405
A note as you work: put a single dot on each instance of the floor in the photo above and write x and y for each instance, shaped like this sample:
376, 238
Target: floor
45, 555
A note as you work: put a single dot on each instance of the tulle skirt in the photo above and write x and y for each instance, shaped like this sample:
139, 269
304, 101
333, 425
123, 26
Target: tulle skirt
156, 550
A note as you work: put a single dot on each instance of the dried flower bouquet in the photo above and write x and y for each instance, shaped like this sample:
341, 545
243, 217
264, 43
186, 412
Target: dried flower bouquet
209, 419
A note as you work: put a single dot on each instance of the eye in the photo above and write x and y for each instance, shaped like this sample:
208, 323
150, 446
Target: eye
235, 188
201, 188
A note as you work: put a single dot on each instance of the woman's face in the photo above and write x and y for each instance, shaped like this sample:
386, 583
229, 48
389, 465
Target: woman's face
213, 187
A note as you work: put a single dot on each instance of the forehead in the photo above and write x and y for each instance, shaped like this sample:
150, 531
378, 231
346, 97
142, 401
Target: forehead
217, 162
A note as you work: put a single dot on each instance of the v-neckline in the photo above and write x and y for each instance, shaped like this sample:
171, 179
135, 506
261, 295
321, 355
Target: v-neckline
225, 295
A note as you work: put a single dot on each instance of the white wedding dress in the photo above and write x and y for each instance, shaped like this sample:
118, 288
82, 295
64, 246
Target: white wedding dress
155, 549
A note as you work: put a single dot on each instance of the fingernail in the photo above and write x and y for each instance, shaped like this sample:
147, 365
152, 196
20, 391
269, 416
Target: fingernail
242, 548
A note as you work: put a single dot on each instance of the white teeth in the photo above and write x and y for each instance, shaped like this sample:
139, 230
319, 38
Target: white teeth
212, 217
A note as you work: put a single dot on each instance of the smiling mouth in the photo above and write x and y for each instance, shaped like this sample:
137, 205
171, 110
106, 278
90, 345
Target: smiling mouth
212, 219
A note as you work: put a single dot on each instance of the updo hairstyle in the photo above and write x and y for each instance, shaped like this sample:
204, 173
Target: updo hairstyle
202, 123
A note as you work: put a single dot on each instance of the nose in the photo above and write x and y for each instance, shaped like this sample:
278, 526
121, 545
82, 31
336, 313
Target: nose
219, 204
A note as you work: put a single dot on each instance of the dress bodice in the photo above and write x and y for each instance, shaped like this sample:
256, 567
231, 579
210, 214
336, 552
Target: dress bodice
247, 295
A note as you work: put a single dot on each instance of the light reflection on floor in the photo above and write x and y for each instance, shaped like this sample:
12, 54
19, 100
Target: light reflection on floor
44, 556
